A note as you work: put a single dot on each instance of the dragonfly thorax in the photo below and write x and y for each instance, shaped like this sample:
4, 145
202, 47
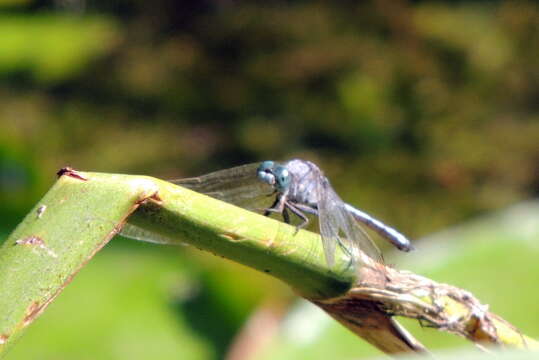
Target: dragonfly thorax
304, 187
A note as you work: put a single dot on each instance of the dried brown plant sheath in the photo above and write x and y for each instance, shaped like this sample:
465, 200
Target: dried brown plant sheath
367, 310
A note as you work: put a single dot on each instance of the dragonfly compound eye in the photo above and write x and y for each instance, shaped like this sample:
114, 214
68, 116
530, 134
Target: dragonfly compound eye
266, 166
264, 172
282, 178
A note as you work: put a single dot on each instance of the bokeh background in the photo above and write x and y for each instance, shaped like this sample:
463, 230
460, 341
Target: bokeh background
423, 113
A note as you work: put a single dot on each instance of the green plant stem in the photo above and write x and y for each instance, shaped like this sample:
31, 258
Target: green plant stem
83, 211
65, 229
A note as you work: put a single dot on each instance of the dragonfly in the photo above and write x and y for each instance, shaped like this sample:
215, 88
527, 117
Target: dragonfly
300, 188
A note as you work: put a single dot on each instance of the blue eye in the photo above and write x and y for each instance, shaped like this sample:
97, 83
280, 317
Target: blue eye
282, 178
265, 172
266, 165
274, 174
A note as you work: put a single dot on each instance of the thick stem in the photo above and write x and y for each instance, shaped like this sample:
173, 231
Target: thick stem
73, 221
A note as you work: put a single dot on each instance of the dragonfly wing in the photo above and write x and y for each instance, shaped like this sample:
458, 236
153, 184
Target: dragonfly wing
239, 186
335, 220
137, 233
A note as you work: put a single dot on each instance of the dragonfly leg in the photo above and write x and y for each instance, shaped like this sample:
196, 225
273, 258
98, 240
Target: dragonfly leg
286, 216
298, 213
268, 211
278, 205
306, 209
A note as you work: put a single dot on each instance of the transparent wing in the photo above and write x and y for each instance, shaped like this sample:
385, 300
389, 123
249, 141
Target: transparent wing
238, 186
336, 220
137, 233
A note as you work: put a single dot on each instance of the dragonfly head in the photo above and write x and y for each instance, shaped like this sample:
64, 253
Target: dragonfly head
274, 174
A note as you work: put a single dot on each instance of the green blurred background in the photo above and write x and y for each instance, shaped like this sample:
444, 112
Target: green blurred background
423, 113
